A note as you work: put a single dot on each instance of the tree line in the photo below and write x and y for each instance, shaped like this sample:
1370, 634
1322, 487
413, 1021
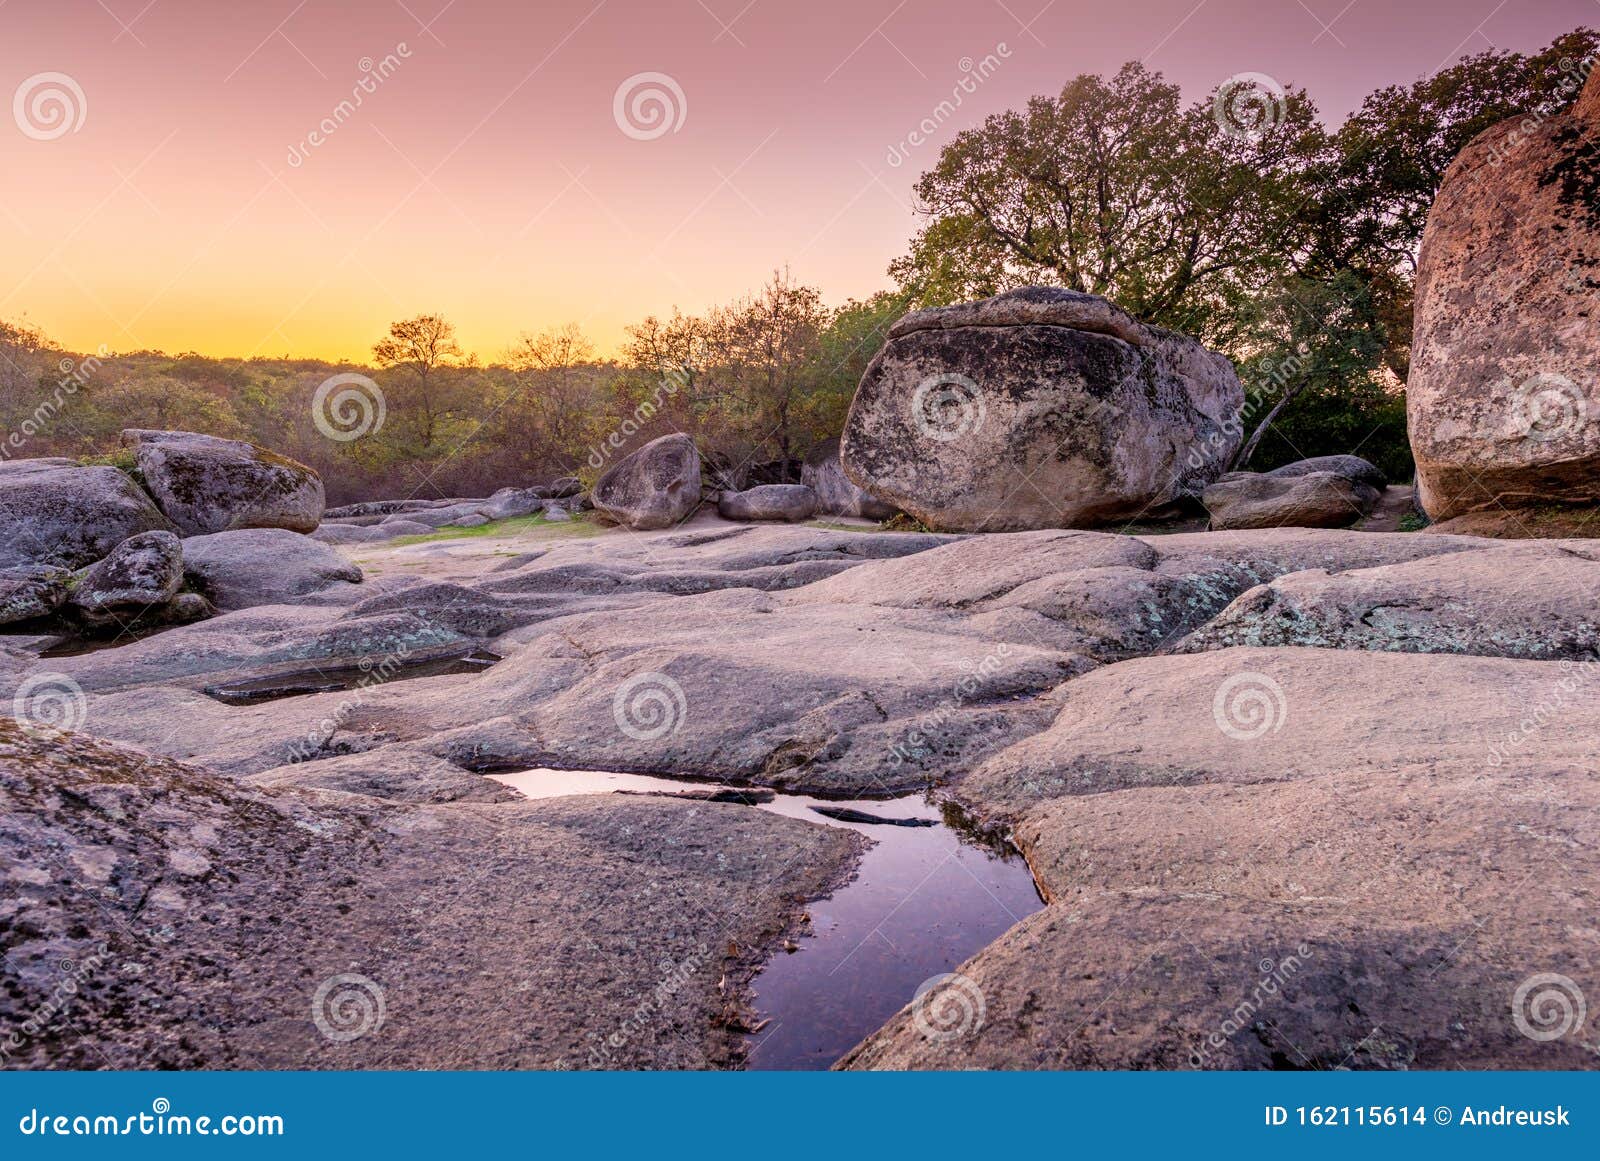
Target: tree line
1239, 218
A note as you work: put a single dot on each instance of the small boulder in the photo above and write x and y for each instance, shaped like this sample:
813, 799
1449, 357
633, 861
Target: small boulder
142, 572
508, 503
655, 487
836, 494
205, 484
471, 520
262, 566
564, 488
54, 512
1315, 500
1350, 467
29, 591
791, 502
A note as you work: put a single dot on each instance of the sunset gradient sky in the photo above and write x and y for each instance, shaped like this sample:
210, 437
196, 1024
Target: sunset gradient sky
488, 179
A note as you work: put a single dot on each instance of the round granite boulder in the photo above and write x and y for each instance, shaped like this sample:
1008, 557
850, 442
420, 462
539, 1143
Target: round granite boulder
1040, 408
143, 571
54, 512
655, 487
792, 502
205, 484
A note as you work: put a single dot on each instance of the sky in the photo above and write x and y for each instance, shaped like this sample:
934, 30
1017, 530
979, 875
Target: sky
194, 175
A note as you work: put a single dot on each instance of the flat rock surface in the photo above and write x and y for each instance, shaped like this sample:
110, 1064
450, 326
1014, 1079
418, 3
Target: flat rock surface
1372, 881
203, 924
1536, 599
1375, 799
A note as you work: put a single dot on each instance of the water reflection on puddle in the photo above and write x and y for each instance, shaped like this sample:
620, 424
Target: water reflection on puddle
924, 899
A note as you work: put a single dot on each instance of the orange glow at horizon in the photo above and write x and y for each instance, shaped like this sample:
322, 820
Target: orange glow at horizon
228, 191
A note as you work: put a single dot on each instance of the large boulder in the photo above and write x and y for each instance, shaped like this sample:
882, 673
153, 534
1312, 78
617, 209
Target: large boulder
792, 502
205, 484
262, 566
1039, 408
54, 512
836, 494
143, 571
1313, 500
655, 487
1503, 399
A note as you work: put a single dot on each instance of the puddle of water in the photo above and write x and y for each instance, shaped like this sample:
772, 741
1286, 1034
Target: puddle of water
925, 898
70, 646
259, 689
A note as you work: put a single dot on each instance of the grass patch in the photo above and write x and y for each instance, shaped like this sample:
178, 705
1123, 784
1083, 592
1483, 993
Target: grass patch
1413, 522
515, 526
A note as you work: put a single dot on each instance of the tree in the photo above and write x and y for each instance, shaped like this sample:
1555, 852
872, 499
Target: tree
1373, 199
764, 348
558, 390
422, 345
1115, 188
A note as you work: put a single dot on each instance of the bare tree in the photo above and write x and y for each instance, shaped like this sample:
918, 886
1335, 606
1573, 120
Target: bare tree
557, 388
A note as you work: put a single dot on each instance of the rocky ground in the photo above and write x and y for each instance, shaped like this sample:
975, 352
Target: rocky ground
1369, 760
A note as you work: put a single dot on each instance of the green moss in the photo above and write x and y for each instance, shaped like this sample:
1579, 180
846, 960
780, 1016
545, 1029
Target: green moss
903, 522
1413, 522
515, 526
123, 459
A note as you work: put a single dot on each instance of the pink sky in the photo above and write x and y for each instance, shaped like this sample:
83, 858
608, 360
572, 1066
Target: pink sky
487, 178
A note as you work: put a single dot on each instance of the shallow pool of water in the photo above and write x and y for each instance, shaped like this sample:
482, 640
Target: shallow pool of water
924, 899
255, 690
